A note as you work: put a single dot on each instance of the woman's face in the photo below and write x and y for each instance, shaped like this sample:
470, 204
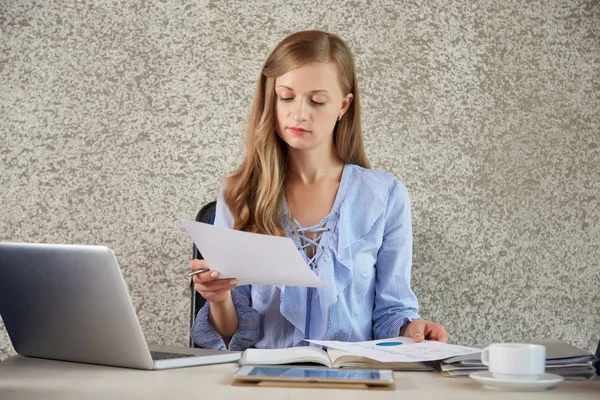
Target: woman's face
309, 102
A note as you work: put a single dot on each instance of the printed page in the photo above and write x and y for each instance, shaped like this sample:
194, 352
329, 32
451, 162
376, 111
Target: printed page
251, 258
334, 354
400, 349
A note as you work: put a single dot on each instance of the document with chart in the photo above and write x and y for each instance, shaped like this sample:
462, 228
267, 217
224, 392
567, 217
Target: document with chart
400, 349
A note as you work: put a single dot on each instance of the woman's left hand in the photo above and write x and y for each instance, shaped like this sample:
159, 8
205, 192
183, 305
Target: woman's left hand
419, 330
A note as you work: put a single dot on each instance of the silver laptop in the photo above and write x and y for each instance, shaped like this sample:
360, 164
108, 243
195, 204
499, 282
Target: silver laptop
70, 302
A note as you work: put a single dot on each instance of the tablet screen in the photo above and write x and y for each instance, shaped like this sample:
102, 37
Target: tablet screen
257, 373
314, 373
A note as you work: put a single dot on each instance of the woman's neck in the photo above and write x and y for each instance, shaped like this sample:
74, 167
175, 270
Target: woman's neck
310, 166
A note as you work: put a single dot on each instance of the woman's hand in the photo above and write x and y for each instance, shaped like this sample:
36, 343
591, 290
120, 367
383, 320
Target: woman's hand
419, 330
209, 286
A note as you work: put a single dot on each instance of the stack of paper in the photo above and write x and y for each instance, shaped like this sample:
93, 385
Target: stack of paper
561, 359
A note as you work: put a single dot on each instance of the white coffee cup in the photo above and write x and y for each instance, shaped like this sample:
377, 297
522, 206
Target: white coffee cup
517, 361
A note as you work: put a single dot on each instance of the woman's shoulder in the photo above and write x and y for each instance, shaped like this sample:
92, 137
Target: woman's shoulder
370, 194
376, 181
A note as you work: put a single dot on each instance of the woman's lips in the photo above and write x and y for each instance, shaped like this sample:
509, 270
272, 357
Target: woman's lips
297, 130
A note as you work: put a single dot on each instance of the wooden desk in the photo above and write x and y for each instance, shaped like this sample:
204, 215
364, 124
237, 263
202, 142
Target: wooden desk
30, 378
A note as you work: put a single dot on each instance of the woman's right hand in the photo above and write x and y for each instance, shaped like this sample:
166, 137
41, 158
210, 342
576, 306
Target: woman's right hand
209, 285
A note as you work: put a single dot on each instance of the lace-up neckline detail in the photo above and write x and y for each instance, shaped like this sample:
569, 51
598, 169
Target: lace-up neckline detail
312, 247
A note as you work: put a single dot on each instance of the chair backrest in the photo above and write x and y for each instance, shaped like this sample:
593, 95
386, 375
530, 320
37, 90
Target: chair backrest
597, 364
206, 215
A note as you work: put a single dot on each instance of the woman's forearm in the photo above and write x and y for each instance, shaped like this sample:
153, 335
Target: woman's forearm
224, 318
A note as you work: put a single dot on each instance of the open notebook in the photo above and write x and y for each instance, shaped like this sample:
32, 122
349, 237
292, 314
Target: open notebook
331, 358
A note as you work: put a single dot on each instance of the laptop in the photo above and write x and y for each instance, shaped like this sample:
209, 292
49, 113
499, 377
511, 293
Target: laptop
70, 303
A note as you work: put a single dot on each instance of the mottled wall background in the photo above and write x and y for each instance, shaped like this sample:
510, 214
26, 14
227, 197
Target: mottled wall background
117, 118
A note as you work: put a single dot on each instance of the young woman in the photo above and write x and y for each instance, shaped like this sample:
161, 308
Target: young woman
305, 175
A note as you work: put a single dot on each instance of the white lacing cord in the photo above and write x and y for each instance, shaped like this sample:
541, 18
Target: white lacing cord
306, 242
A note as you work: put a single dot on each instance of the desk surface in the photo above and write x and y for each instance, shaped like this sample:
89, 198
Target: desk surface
30, 378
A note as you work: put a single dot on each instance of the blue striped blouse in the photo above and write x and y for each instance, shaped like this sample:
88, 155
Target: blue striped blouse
365, 262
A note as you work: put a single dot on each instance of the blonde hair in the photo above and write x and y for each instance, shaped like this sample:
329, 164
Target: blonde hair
255, 191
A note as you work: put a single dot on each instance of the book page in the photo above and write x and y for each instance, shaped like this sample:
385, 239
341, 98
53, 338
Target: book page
288, 355
342, 356
340, 359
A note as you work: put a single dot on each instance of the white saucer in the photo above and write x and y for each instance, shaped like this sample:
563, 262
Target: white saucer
544, 382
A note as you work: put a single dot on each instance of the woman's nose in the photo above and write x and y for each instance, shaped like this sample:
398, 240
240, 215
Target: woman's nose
299, 110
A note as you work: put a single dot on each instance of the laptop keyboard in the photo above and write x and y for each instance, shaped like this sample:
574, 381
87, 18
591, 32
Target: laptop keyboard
161, 355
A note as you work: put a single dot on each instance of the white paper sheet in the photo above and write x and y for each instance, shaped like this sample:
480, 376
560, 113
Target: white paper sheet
408, 351
251, 258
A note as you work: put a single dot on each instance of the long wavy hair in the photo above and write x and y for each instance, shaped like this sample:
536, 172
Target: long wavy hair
255, 191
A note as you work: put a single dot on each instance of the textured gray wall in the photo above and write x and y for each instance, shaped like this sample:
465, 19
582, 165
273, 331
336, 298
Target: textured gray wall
119, 118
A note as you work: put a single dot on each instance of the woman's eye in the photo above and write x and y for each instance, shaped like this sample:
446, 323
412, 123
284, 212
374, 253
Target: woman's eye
285, 99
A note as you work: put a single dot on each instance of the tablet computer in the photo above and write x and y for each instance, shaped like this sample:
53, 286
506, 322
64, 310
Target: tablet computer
369, 377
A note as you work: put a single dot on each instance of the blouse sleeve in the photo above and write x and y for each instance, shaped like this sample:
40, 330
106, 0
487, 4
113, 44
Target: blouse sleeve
247, 335
395, 302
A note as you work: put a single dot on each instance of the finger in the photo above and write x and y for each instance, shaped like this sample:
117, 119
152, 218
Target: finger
433, 331
428, 329
216, 286
195, 265
417, 330
429, 326
207, 276
439, 333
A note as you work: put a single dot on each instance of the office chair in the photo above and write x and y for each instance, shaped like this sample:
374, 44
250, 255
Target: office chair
597, 364
206, 215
